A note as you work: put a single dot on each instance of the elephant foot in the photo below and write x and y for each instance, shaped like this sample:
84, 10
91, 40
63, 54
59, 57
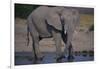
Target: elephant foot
38, 60
70, 58
59, 60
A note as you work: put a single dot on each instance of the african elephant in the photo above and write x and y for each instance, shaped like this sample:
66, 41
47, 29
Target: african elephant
56, 22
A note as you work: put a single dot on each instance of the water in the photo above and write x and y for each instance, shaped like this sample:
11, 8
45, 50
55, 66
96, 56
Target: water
25, 58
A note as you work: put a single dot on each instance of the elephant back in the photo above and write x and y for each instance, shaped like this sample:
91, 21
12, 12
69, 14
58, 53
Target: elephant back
40, 12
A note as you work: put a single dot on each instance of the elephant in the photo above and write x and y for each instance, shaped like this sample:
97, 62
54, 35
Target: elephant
57, 22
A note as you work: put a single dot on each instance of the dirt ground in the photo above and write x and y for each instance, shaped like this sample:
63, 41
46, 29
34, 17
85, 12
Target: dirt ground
82, 40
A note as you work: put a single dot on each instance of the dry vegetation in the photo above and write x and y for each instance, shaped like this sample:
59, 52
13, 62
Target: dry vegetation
86, 20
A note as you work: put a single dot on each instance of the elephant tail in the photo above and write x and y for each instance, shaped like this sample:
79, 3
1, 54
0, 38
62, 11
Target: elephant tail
28, 36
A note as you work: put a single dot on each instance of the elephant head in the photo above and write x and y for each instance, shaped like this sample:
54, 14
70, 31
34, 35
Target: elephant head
70, 19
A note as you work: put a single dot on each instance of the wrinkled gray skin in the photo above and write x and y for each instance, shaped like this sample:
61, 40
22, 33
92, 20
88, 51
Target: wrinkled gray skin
56, 22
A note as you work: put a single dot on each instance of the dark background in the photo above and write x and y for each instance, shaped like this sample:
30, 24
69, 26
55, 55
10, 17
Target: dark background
23, 10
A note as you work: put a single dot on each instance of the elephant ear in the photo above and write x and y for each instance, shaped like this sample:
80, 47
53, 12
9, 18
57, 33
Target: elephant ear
54, 20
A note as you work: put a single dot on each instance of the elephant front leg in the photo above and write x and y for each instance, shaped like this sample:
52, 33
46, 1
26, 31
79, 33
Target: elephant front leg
68, 47
70, 53
57, 38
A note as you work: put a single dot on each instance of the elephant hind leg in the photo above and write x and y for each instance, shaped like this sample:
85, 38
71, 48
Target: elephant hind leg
35, 46
37, 57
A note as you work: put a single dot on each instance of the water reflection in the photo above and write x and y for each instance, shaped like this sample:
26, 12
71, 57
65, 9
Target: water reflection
25, 58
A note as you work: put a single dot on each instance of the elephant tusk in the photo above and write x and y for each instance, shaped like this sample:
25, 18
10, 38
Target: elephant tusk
65, 32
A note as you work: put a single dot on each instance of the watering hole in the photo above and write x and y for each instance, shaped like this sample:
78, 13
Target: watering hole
25, 58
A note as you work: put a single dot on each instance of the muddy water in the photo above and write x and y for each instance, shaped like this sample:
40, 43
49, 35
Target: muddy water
25, 58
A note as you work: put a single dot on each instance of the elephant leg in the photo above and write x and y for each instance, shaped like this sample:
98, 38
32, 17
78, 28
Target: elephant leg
57, 38
70, 53
37, 50
35, 39
68, 46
